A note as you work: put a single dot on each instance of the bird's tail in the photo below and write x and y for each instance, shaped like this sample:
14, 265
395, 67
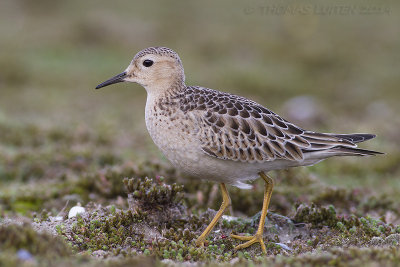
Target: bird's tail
329, 144
355, 137
350, 151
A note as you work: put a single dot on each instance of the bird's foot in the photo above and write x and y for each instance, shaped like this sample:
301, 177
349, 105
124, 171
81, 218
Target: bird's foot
258, 237
200, 241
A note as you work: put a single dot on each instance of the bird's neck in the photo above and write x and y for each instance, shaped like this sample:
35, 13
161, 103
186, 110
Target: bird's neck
162, 100
165, 89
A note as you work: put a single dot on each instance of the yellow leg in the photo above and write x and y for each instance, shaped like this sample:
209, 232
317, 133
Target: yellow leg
258, 237
226, 201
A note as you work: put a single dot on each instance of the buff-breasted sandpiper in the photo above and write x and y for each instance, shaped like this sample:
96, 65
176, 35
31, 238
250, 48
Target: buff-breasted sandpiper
224, 137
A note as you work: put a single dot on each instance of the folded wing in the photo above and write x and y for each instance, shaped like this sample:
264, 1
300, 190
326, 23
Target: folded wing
235, 128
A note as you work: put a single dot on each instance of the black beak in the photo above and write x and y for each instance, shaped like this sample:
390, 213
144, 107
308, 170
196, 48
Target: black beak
116, 79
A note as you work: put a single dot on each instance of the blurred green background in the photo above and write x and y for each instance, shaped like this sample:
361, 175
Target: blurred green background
337, 60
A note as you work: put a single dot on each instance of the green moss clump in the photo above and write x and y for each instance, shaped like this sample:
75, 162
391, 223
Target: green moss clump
107, 182
106, 231
15, 237
149, 193
316, 216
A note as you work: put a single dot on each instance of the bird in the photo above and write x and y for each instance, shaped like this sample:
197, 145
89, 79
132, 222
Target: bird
222, 137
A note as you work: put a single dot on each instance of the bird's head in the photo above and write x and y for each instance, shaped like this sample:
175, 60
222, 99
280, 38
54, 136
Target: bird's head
155, 68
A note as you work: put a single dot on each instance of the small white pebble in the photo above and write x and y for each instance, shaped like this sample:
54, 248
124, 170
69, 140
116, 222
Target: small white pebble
75, 211
229, 218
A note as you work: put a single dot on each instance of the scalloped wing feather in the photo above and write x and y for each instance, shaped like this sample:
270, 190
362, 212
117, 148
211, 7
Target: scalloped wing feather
238, 129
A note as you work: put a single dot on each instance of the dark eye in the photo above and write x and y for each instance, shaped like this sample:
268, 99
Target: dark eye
148, 63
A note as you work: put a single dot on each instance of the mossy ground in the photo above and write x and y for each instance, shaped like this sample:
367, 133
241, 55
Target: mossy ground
150, 212
63, 143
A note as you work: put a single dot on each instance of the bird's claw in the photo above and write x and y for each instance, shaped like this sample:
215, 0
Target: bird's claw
200, 242
257, 238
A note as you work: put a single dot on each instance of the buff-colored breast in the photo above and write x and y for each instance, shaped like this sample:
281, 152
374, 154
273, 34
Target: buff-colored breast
174, 133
